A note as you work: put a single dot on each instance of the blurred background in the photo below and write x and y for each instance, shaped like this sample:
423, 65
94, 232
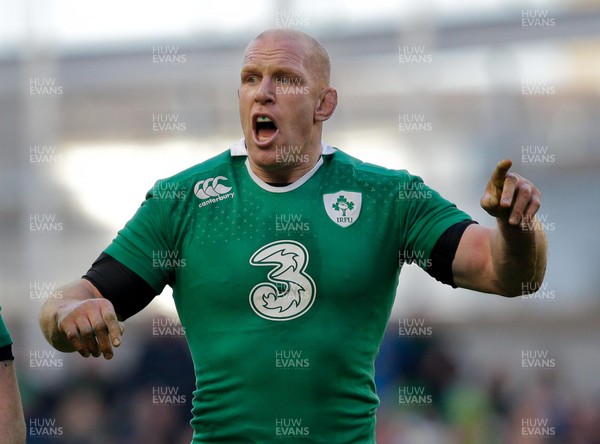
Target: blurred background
99, 100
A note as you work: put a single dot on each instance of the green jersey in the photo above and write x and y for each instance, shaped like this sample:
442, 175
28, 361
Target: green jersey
284, 292
5, 338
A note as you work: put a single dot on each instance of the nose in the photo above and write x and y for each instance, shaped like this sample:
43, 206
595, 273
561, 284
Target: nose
266, 91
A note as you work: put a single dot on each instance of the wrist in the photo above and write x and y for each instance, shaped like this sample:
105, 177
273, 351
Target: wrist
517, 238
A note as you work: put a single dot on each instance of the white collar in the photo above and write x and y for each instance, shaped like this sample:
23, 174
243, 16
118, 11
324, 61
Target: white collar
239, 148
297, 183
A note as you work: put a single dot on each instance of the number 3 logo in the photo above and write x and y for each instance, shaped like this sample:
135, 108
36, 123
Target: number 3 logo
290, 292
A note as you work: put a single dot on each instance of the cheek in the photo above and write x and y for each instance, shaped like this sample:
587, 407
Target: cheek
303, 113
244, 108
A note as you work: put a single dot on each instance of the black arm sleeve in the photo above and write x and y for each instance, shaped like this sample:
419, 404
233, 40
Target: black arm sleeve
128, 292
442, 255
6, 353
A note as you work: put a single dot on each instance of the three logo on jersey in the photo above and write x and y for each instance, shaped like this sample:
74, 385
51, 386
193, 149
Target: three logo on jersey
289, 291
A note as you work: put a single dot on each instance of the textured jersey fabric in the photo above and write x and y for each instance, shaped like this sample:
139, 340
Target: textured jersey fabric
284, 292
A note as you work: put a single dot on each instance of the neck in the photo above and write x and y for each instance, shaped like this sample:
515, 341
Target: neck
282, 175
279, 173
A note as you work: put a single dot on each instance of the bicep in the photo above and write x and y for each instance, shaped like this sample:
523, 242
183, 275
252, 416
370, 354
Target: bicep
472, 267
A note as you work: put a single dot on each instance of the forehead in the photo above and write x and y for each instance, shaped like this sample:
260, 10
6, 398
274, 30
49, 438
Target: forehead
277, 53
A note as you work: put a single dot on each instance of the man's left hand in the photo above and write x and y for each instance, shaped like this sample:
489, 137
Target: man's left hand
510, 197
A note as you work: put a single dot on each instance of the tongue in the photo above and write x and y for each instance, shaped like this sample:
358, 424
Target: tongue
266, 133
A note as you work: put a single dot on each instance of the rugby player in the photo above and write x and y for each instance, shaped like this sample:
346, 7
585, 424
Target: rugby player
283, 255
12, 420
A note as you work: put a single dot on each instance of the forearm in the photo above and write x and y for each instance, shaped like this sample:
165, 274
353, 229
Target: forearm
74, 293
12, 421
519, 256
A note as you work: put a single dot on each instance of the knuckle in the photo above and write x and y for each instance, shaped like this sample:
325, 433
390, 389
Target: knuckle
72, 336
99, 327
526, 187
109, 316
80, 347
86, 332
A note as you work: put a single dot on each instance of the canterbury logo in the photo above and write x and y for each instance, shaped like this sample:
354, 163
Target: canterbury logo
205, 189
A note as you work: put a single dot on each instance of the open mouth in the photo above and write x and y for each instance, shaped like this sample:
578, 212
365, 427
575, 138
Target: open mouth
264, 129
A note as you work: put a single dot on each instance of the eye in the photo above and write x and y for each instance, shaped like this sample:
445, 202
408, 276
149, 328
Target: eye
251, 79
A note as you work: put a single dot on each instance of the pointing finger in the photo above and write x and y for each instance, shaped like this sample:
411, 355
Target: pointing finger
500, 173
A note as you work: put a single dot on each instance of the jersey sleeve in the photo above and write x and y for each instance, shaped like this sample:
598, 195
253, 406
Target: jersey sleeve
427, 215
144, 238
5, 338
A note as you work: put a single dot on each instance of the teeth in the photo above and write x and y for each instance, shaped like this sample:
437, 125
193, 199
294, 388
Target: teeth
263, 119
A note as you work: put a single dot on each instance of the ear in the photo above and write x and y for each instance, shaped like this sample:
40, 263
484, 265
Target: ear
326, 104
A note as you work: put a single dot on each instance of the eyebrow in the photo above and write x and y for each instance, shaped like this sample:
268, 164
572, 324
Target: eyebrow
250, 68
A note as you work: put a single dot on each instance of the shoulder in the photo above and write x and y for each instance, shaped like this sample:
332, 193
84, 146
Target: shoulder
218, 167
223, 160
364, 170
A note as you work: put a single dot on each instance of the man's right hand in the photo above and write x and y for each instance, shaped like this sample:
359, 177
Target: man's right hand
82, 321
91, 327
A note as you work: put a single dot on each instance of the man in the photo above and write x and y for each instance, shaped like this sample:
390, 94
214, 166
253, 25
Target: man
284, 321
12, 421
